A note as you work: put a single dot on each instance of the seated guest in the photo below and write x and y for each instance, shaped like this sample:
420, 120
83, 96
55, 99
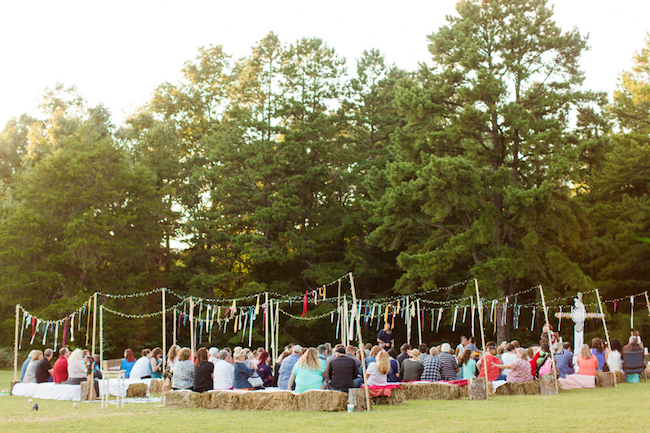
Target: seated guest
448, 364
224, 371
264, 369
371, 357
490, 359
564, 360
587, 362
308, 372
598, 351
242, 372
203, 372
540, 357
183, 377
632, 346
342, 371
519, 370
377, 373
404, 353
424, 352
97, 371
471, 344
155, 363
23, 369
44, 368
60, 369
30, 373
287, 366
142, 369
509, 356
393, 374
76, 368
128, 362
322, 354
276, 368
411, 367
467, 364
172, 356
614, 356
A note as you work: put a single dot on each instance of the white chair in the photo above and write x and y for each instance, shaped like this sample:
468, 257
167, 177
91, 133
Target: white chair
107, 375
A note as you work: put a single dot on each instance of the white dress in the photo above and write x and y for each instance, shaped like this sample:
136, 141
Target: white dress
506, 359
140, 368
614, 361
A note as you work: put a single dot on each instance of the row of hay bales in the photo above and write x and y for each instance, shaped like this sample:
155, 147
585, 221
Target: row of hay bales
329, 401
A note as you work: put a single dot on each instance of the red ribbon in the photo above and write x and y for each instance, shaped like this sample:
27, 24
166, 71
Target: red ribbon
65, 329
304, 304
33, 326
615, 306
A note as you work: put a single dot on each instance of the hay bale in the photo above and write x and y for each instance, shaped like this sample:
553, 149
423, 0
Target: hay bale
476, 389
606, 379
86, 393
398, 396
522, 388
357, 397
463, 391
328, 401
620, 377
136, 390
250, 400
156, 386
547, 386
186, 399
431, 391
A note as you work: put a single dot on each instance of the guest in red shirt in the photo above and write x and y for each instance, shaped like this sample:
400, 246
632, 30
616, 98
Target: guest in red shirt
60, 372
494, 372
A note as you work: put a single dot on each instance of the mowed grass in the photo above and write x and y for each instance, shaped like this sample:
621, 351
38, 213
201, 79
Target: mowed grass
591, 410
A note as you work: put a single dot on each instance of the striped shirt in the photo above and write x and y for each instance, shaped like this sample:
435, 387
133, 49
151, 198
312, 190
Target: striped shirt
431, 369
448, 366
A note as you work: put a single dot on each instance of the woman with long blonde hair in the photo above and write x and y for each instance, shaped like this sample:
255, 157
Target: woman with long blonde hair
308, 372
376, 373
587, 363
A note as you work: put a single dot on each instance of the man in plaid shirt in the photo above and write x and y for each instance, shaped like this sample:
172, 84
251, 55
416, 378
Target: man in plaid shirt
432, 368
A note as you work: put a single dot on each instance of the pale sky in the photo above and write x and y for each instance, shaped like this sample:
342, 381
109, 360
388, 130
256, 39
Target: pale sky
117, 52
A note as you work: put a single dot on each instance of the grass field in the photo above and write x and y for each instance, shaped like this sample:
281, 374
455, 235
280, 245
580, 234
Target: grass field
624, 408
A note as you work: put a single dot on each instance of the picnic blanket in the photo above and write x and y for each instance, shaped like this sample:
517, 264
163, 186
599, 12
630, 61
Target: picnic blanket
385, 390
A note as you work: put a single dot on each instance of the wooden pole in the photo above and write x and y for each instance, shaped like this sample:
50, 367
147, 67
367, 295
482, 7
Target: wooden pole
266, 321
164, 330
647, 302
363, 353
419, 322
94, 322
16, 343
548, 331
346, 321
101, 335
277, 328
88, 319
480, 318
407, 320
602, 313
192, 326
174, 325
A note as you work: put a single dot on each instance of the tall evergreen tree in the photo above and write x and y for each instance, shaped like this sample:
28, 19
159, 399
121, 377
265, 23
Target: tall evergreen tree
481, 184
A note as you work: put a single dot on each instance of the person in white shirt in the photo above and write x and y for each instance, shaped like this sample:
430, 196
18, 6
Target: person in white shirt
141, 368
224, 371
508, 357
614, 356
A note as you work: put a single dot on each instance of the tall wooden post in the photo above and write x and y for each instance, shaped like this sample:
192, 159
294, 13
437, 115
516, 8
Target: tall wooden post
480, 318
548, 331
277, 328
101, 335
407, 320
266, 321
16, 343
602, 313
94, 322
363, 353
164, 330
419, 313
192, 345
174, 326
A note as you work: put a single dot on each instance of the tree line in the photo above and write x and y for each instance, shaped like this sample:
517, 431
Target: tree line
290, 167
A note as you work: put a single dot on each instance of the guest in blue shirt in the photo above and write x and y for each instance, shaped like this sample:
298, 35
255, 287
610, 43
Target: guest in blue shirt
127, 362
23, 369
286, 367
564, 360
242, 372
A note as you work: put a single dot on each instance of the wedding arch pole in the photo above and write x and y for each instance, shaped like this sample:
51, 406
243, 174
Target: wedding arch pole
192, 345
164, 330
602, 313
174, 326
94, 322
16, 344
360, 336
548, 331
266, 321
480, 319
101, 335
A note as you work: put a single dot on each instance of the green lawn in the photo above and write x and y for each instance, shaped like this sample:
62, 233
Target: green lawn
595, 410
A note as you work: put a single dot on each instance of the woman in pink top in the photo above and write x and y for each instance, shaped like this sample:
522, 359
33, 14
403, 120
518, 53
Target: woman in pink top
519, 369
587, 363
